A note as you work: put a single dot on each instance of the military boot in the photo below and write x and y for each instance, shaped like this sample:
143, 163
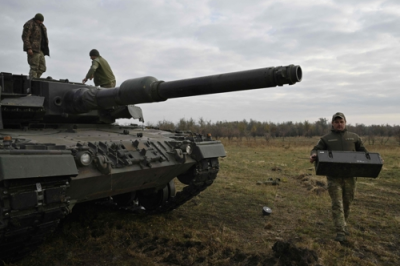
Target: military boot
340, 237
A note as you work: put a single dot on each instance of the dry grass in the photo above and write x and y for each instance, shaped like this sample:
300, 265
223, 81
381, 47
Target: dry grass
224, 225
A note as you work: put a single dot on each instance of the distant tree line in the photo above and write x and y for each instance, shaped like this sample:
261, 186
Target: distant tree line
253, 129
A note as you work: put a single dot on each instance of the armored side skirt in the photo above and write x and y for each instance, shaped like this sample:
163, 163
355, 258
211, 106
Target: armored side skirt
346, 163
17, 164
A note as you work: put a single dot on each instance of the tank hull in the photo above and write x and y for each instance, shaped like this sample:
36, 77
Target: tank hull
42, 178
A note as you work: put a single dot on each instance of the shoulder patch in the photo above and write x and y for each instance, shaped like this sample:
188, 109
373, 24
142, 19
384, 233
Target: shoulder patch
349, 138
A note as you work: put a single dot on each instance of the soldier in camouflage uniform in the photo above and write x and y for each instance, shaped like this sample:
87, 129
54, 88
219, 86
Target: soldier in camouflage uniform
36, 45
341, 188
100, 71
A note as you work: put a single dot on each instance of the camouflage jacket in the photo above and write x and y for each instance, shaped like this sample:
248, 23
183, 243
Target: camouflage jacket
340, 141
101, 72
32, 35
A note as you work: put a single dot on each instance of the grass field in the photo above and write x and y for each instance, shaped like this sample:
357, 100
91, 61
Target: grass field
225, 225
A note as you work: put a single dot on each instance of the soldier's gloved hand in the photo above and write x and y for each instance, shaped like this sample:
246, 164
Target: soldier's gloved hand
313, 157
30, 52
84, 80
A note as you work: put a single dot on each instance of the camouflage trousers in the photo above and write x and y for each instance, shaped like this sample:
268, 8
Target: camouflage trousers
109, 85
37, 64
341, 190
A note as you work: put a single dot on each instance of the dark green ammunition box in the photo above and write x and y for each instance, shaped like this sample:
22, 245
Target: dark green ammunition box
347, 163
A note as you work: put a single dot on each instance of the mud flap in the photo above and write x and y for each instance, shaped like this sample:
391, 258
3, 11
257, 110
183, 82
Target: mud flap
205, 150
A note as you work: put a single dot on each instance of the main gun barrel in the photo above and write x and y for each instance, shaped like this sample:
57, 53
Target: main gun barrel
236, 81
149, 89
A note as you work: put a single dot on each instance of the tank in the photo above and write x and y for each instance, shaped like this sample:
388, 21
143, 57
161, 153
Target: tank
60, 146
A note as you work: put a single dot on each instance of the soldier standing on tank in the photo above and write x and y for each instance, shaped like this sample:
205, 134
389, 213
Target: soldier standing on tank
36, 45
100, 71
341, 188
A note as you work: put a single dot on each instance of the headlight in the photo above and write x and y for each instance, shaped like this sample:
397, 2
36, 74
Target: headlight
83, 158
188, 149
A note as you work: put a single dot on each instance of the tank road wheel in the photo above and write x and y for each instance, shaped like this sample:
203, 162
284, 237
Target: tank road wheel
171, 189
151, 200
188, 177
125, 199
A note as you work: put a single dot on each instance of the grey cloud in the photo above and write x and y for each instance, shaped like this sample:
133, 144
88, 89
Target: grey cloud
347, 50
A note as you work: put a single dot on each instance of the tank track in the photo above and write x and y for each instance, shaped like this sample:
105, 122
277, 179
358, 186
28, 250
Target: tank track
203, 174
30, 210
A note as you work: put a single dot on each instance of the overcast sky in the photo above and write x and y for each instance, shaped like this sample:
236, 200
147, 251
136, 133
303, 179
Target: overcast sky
349, 51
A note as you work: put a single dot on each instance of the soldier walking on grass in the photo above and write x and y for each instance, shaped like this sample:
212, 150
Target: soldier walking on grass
100, 71
341, 188
36, 45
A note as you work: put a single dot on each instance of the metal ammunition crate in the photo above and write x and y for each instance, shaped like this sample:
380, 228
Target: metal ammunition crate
348, 163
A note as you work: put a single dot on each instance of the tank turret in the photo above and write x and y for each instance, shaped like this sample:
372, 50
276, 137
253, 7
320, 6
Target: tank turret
49, 101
